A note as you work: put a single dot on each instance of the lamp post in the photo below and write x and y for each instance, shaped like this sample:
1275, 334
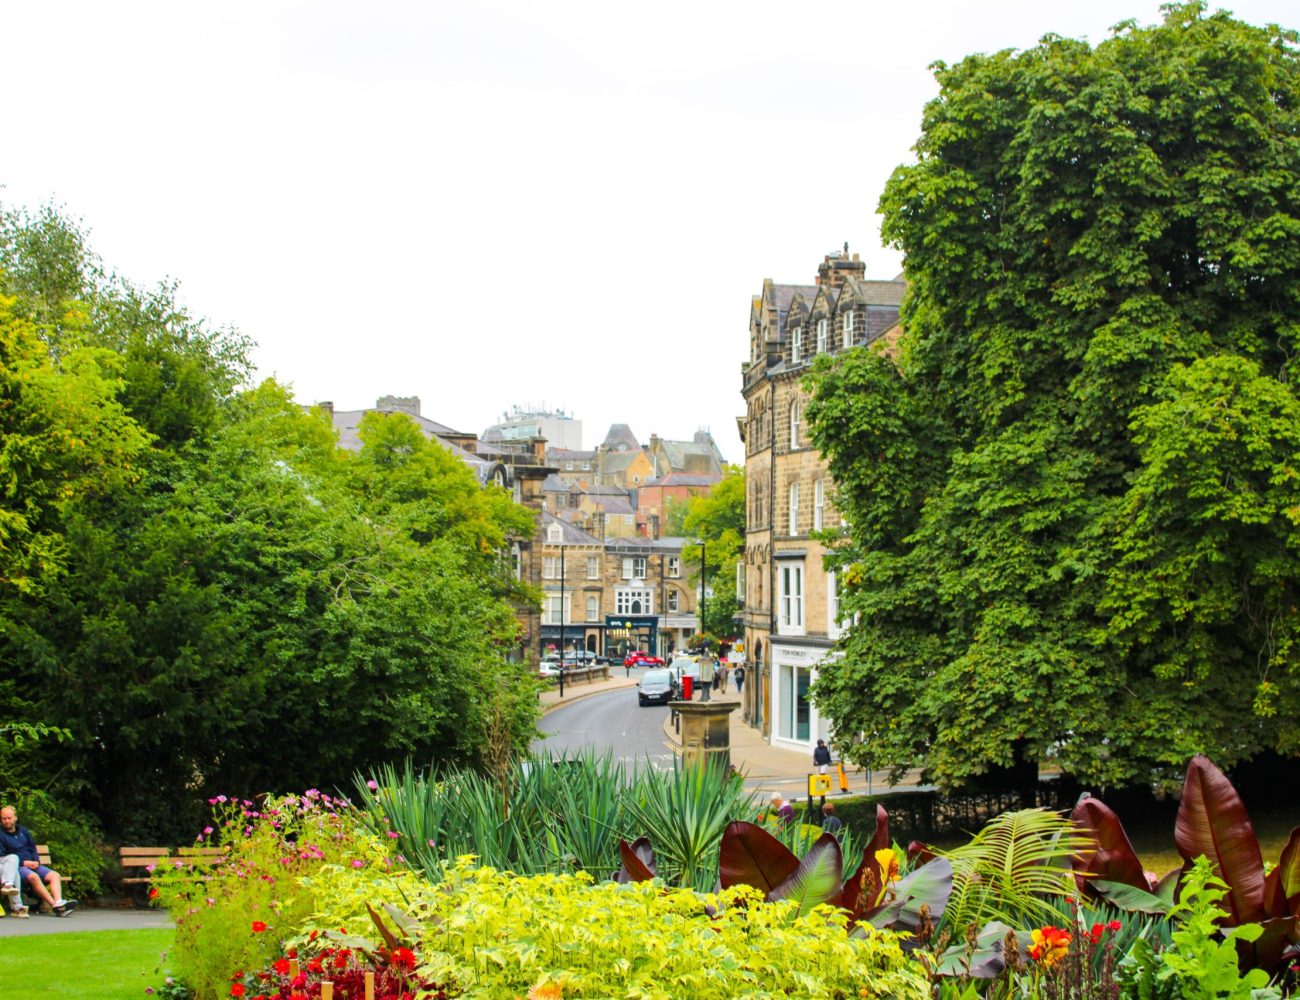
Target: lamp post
561, 619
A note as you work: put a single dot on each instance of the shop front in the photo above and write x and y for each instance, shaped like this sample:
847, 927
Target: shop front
796, 723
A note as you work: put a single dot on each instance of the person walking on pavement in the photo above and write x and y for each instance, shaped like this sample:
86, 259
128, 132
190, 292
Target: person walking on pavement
821, 756
738, 675
723, 670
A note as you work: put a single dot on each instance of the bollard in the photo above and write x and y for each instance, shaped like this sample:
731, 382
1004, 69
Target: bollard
370, 985
326, 991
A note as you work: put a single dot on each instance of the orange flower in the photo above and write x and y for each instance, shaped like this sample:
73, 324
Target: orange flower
548, 991
1051, 944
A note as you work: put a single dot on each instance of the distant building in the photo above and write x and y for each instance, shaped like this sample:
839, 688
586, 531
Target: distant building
654, 498
611, 595
790, 604
560, 429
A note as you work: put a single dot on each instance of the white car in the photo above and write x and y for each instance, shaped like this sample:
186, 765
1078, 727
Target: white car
685, 666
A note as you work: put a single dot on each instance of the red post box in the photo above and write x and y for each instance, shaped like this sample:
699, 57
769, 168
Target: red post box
688, 685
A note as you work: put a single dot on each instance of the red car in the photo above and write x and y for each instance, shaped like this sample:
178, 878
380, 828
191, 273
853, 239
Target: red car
640, 658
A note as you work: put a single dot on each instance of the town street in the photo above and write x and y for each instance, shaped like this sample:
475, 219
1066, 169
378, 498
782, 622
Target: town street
610, 721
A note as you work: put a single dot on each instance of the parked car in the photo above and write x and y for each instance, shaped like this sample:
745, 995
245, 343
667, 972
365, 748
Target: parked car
549, 668
580, 658
639, 657
655, 686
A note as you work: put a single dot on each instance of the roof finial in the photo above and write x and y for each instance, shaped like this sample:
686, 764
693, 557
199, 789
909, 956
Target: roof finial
846, 248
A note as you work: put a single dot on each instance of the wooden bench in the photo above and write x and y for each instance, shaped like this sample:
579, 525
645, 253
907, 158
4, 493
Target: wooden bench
138, 863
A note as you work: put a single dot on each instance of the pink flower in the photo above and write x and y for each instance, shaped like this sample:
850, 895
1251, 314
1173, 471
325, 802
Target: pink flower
358, 863
373, 785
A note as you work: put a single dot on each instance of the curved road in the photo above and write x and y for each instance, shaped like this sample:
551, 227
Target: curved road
612, 721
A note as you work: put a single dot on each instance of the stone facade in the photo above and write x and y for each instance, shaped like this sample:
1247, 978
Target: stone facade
617, 593
789, 609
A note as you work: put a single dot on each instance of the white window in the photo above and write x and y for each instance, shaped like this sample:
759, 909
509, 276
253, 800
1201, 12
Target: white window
794, 508
794, 424
519, 492
819, 503
674, 601
593, 609
554, 534
551, 610
821, 336
627, 519
674, 566
790, 581
517, 561
796, 348
633, 602
593, 567
848, 328
634, 567
569, 466
740, 581
550, 568
832, 606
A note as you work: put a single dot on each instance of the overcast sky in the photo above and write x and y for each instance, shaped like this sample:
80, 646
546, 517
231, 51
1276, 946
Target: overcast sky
491, 203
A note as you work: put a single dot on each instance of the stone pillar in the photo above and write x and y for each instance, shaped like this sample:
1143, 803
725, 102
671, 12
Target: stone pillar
706, 731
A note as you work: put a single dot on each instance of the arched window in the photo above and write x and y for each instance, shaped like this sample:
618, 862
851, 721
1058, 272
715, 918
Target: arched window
794, 424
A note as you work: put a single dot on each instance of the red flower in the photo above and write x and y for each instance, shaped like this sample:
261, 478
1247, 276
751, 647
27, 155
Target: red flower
314, 965
404, 958
1114, 926
153, 892
238, 990
281, 966
258, 927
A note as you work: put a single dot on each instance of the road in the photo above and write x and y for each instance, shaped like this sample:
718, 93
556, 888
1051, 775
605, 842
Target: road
610, 721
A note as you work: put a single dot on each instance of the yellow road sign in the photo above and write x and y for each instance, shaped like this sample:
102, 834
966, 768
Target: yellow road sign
819, 784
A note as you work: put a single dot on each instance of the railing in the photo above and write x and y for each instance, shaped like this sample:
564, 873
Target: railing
592, 673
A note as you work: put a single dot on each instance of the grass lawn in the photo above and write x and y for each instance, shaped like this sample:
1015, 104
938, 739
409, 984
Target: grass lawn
90, 965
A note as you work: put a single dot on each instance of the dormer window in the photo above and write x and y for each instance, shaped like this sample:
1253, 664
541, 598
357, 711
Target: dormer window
796, 348
554, 534
848, 329
821, 336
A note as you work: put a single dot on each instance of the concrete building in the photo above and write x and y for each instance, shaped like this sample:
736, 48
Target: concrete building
523, 423
789, 602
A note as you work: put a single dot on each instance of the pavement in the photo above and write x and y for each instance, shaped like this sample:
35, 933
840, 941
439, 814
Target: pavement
766, 768
84, 918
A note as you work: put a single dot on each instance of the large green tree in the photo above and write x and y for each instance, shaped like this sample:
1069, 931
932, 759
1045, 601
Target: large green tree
716, 518
1074, 490
201, 586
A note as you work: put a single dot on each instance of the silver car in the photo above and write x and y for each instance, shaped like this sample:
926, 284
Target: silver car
656, 685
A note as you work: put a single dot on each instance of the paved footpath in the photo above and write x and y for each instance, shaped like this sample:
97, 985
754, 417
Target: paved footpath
766, 768
86, 918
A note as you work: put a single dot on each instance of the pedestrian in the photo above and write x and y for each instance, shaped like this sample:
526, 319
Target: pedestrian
830, 822
782, 812
821, 756
738, 675
723, 670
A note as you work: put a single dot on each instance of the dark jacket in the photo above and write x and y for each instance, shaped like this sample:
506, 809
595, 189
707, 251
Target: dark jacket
19, 842
822, 755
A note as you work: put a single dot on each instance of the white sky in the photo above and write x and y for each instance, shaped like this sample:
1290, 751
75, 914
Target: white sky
491, 203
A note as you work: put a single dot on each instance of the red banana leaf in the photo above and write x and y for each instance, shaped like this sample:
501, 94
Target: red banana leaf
867, 875
818, 879
752, 856
1110, 856
638, 861
1212, 820
1282, 884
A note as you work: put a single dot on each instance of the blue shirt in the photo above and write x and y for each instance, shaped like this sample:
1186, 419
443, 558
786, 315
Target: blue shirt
19, 842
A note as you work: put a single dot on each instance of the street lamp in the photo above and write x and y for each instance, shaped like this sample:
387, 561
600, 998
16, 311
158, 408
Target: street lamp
561, 619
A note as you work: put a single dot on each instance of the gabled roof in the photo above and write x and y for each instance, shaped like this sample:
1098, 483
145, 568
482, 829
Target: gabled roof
605, 490
619, 461
686, 479
781, 297
554, 484
825, 299
571, 534
347, 422
610, 504
621, 435
873, 293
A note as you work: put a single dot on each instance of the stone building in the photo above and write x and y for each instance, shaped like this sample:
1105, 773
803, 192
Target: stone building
789, 602
609, 595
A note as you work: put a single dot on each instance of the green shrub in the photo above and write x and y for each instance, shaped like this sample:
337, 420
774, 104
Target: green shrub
495, 934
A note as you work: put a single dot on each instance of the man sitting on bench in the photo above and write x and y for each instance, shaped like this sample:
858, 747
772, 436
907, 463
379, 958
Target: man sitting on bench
32, 875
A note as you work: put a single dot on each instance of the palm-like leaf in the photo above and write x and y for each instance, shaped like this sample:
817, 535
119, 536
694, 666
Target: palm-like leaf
1013, 869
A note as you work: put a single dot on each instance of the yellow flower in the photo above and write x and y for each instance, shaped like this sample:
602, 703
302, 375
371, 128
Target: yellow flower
888, 862
546, 991
1050, 945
